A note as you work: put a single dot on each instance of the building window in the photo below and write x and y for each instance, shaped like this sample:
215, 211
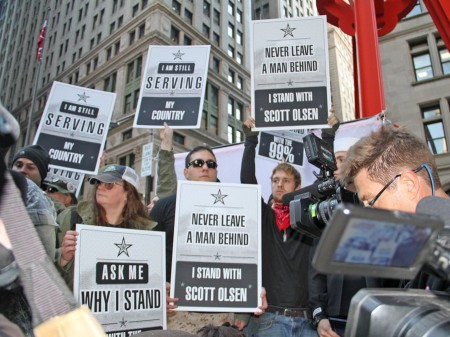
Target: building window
112, 27
240, 82
141, 30
231, 30
132, 37
127, 135
177, 138
206, 8
175, 35
231, 75
134, 69
231, 136
135, 10
127, 160
230, 8
187, 40
239, 58
215, 65
213, 125
445, 60
188, 16
238, 15
116, 48
235, 108
216, 16
422, 67
239, 37
176, 7
434, 129
127, 105
109, 84
216, 39
120, 22
230, 51
205, 30
213, 96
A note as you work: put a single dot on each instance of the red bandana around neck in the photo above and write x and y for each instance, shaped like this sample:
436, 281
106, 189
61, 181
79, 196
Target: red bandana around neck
281, 216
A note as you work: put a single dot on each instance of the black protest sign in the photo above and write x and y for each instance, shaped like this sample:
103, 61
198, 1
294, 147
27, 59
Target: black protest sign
74, 126
120, 279
281, 149
217, 247
173, 87
290, 73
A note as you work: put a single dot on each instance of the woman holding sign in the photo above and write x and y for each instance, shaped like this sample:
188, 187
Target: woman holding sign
116, 204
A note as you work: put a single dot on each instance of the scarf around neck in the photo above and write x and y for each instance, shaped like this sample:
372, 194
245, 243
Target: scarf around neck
281, 216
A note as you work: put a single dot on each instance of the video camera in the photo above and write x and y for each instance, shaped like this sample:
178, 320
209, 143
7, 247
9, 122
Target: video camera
311, 207
391, 244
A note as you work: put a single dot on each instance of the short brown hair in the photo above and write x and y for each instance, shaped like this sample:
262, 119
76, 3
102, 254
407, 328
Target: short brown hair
387, 152
289, 169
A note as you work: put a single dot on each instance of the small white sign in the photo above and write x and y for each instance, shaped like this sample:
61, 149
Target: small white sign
147, 160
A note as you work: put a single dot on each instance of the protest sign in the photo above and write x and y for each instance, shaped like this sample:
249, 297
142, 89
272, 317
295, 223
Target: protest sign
74, 126
290, 73
216, 262
120, 276
173, 87
147, 159
282, 146
73, 179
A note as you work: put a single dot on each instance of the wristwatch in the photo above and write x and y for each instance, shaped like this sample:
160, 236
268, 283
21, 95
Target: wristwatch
316, 320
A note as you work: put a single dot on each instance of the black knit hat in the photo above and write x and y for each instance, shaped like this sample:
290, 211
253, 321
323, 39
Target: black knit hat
38, 155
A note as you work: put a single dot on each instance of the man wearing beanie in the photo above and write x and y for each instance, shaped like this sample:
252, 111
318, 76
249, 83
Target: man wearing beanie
32, 161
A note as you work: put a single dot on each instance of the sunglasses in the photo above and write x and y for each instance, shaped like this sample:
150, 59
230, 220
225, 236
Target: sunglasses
51, 190
108, 186
200, 162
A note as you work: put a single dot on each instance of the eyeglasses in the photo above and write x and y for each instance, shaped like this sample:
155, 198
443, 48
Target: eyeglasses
374, 200
108, 186
200, 162
51, 190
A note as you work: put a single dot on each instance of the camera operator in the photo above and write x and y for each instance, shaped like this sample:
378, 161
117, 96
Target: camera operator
393, 169
330, 295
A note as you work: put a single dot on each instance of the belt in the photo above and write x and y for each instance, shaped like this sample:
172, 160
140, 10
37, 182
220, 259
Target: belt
290, 312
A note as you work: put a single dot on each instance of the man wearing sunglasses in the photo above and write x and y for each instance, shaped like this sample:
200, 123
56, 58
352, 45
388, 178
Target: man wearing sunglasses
393, 169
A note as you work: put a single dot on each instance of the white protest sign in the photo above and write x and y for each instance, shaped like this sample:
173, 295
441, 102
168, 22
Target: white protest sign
290, 73
216, 262
147, 156
173, 87
120, 275
74, 126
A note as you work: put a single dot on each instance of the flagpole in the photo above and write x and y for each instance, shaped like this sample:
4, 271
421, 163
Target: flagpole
36, 80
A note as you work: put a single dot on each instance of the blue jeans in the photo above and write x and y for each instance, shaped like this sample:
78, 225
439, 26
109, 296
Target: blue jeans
276, 325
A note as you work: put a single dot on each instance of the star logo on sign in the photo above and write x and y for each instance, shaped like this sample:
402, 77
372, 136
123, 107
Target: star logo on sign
219, 197
178, 55
290, 83
288, 30
217, 256
123, 322
123, 247
83, 97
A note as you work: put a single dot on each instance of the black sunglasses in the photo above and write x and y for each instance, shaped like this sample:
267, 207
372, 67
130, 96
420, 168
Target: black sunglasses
200, 162
51, 190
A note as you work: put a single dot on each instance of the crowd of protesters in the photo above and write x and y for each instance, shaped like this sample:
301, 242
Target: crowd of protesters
296, 299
